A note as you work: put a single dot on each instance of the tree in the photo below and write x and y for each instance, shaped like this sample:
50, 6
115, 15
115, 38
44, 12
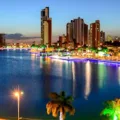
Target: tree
60, 104
112, 109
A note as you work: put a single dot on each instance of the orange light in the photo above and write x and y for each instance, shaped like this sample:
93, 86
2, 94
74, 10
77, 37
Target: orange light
22, 93
16, 94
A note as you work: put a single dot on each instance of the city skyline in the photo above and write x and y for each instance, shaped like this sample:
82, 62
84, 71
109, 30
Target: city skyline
24, 17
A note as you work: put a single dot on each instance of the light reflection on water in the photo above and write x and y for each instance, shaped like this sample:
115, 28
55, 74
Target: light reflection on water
74, 79
88, 79
119, 75
101, 75
90, 83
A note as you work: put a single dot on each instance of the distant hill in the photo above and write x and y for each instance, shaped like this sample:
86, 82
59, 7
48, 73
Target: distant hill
18, 36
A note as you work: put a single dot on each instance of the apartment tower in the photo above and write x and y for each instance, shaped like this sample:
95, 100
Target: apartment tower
77, 31
46, 27
94, 34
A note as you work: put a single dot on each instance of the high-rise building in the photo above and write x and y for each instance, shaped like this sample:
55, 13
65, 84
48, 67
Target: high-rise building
68, 32
94, 34
2, 39
78, 31
85, 34
46, 27
102, 36
75, 31
89, 38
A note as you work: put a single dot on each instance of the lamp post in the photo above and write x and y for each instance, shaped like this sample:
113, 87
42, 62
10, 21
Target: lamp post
17, 94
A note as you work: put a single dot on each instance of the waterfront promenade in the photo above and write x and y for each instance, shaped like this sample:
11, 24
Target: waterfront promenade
85, 58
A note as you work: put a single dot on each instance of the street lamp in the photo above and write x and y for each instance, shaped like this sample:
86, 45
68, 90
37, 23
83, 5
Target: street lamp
17, 94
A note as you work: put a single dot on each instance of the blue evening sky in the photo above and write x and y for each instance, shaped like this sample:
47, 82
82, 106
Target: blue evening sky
23, 16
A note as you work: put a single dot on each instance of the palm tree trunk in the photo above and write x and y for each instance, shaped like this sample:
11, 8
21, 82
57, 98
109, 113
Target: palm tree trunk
61, 116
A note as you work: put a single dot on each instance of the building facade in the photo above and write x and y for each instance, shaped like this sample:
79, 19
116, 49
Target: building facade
77, 31
2, 39
102, 36
62, 40
85, 34
68, 32
94, 34
46, 27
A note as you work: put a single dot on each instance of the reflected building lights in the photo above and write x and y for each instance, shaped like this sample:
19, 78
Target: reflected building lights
87, 80
41, 62
47, 60
60, 69
74, 79
33, 57
59, 65
119, 75
57, 72
101, 74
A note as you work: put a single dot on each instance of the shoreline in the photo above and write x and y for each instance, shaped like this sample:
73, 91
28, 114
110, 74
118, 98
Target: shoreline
84, 59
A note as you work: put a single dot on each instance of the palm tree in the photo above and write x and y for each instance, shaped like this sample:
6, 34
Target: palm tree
60, 104
112, 109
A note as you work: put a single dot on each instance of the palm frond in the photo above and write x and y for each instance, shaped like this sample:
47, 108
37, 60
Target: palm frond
62, 94
69, 108
69, 99
64, 115
53, 95
72, 112
57, 110
109, 104
107, 111
117, 102
59, 102
49, 107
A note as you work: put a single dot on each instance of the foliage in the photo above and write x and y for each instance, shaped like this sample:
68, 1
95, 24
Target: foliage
80, 49
93, 50
105, 49
112, 109
43, 46
34, 46
60, 103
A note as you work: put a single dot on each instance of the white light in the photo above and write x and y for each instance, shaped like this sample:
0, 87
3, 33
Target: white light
101, 53
88, 80
74, 78
56, 56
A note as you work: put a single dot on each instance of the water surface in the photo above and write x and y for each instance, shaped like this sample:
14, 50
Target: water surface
90, 83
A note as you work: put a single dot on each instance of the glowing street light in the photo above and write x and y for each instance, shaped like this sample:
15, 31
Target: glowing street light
17, 94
